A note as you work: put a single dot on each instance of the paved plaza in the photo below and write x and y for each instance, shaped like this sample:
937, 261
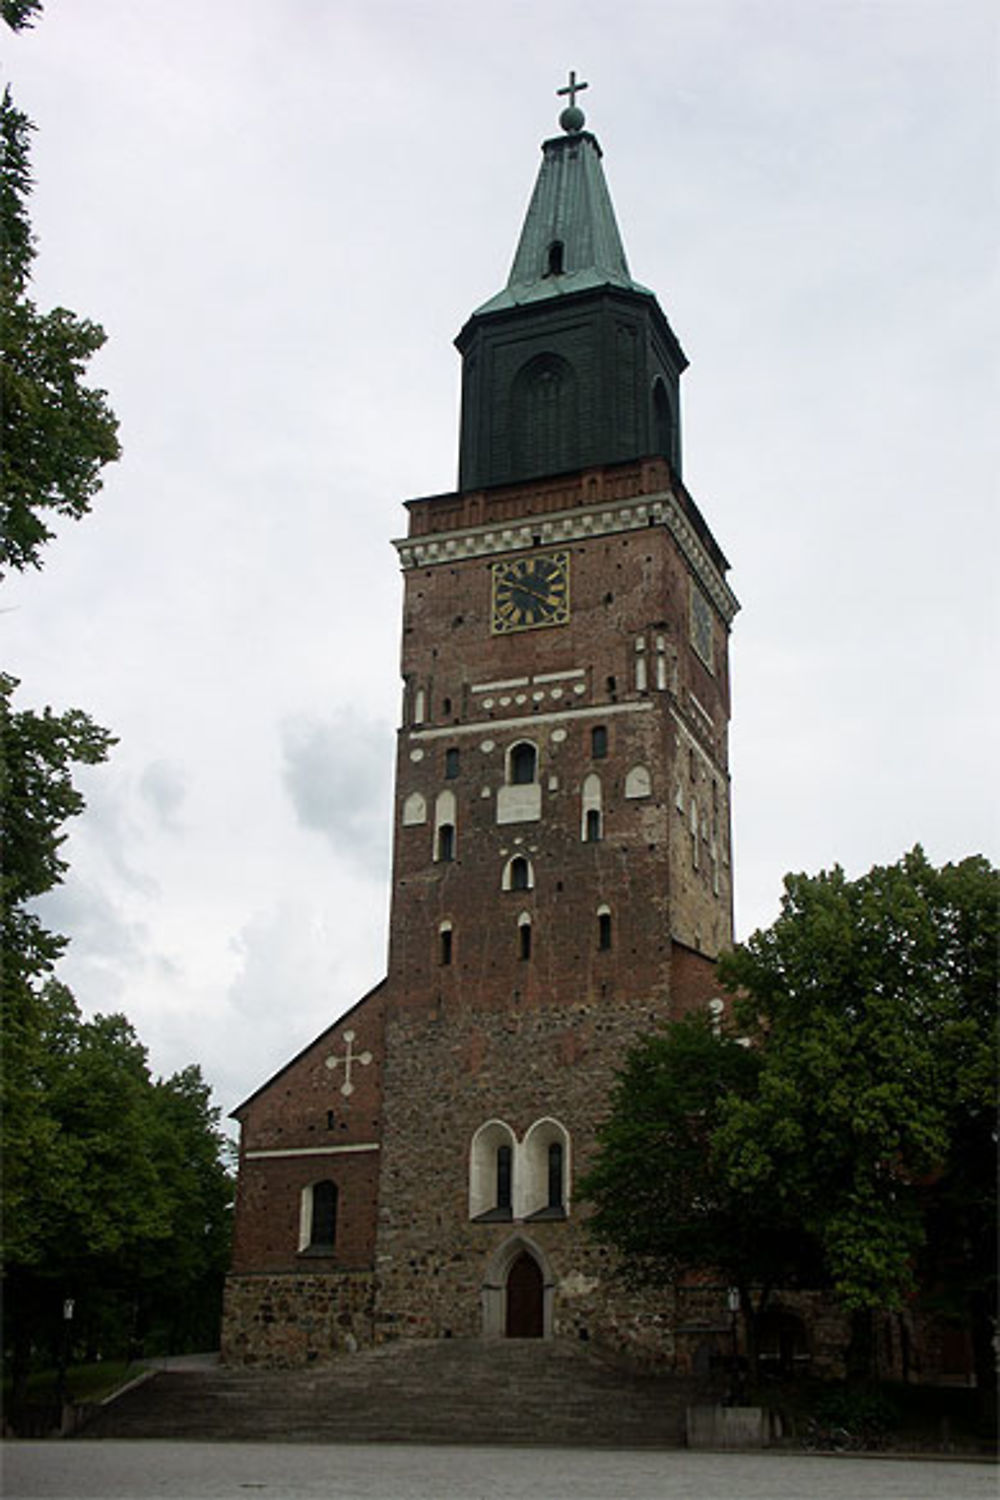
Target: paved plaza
293, 1471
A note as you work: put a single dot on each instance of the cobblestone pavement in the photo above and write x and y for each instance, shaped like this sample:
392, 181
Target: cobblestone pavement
292, 1471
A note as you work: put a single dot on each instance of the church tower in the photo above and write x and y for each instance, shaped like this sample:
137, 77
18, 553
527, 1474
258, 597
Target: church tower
561, 870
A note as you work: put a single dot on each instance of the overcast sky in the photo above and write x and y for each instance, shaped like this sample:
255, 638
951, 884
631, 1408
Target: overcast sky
282, 213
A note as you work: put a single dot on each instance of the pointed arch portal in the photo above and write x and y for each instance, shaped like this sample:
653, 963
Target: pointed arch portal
518, 1292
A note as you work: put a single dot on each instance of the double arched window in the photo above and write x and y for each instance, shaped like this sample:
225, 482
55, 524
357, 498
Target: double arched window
524, 1180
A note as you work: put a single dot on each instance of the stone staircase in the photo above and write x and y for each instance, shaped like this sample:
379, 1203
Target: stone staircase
449, 1391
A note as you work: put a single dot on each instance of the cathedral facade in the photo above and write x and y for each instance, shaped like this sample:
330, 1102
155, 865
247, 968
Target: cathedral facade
561, 877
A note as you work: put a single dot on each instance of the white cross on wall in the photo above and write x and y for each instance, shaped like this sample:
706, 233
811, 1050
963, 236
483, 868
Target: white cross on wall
350, 1057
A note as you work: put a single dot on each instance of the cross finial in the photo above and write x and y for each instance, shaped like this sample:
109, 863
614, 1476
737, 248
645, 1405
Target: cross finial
572, 117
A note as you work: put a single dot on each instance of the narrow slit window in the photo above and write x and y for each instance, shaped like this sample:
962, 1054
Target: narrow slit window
451, 763
446, 843
556, 1157
604, 930
445, 945
598, 742
592, 829
524, 939
556, 258
323, 1231
504, 1176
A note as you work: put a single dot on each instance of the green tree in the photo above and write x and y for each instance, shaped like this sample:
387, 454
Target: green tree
38, 753
58, 433
872, 1004
663, 1196
183, 1273
850, 1143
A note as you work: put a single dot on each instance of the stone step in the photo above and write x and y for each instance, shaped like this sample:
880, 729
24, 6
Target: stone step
461, 1391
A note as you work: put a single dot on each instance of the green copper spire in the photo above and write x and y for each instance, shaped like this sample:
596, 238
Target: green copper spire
570, 240
573, 365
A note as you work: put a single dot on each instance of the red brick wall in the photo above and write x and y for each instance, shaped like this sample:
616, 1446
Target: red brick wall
289, 1118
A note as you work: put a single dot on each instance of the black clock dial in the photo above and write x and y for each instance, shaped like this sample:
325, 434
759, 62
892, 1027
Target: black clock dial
531, 591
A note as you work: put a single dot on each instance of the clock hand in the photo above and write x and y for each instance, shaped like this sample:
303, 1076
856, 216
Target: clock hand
524, 588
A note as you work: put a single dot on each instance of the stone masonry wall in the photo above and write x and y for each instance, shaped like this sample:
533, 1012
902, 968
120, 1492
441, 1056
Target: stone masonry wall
284, 1321
449, 1073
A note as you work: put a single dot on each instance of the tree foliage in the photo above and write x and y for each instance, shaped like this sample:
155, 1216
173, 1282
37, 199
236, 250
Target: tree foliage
872, 1003
662, 1194
116, 1185
851, 1142
19, 13
58, 433
120, 1195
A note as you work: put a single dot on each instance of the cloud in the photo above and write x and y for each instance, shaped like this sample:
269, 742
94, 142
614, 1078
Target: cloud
338, 775
163, 787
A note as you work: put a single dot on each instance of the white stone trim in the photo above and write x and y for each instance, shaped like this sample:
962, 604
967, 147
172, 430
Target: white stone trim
290, 1151
558, 716
632, 514
495, 687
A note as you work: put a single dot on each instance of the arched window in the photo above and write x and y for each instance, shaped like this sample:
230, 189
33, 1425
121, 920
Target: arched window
524, 935
522, 764
545, 416
638, 782
556, 1154
544, 1171
519, 800
446, 843
663, 421
492, 1174
445, 813
555, 258
518, 874
505, 1177
604, 928
592, 824
318, 1218
414, 810
445, 943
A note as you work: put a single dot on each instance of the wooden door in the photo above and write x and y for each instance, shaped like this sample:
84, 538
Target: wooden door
525, 1299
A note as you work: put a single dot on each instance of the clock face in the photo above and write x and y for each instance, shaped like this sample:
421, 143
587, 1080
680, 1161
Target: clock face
701, 626
531, 591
